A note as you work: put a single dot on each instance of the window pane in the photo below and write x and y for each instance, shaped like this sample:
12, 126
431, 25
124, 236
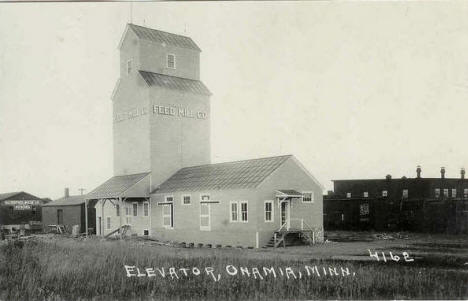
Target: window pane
268, 210
186, 199
135, 209
145, 209
244, 211
234, 211
117, 209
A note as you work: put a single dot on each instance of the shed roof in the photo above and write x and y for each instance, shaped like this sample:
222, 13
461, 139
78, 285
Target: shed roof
289, 193
72, 200
116, 186
228, 175
175, 83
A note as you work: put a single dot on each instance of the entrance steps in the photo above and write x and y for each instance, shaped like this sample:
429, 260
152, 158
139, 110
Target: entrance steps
285, 238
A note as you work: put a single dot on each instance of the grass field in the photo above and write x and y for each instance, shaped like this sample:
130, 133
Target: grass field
68, 269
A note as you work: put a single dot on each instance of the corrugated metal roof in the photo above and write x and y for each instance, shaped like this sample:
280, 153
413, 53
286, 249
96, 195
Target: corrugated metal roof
175, 83
67, 201
4, 196
115, 186
163, 37
229, 175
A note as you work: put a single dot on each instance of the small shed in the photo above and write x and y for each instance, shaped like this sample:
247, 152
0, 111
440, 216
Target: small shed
68, 211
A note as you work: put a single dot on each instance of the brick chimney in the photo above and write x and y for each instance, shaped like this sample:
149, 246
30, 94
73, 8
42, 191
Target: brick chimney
442, 172
418, 171
462, 173
67, 192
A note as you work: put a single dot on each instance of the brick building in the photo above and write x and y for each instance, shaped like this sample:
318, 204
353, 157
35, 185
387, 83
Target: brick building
415, 204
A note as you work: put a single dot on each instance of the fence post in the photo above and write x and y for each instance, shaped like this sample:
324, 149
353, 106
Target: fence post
313, 236
274, 235
302, 224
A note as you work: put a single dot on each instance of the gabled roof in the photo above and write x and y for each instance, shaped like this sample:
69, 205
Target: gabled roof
72, 200
174, 83
7, 195
4, 196
229, 175
116, 186
159, 36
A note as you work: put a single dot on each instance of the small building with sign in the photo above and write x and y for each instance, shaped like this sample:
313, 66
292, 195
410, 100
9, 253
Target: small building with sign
20, 208
68, 211
164, 184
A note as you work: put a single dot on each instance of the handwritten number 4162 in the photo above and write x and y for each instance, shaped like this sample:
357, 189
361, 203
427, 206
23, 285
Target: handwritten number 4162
396, 258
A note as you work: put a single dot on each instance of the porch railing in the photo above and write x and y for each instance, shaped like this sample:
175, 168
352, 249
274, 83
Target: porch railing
299, 224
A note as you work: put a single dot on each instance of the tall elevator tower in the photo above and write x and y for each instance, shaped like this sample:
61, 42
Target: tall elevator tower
161, 109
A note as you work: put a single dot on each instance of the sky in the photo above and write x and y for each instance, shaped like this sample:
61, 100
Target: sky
352, 89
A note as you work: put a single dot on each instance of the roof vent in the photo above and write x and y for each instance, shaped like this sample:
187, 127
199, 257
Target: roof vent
388, 177
462, 173
442, 172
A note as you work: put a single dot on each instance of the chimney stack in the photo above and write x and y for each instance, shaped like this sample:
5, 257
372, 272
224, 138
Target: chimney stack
442, 172
462, 172
67, 192
418, 171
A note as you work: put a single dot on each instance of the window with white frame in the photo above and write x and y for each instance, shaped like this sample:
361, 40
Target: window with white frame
437, 192
186, 199
454, 192
135, 209
384, 193
169, 199
171, 61
234, 212
445, 192
268, 211
308, 197
366, 194
405, 193
465, 193
108, 223
117, 210
244, 211
145, 209
129, 67
348, 195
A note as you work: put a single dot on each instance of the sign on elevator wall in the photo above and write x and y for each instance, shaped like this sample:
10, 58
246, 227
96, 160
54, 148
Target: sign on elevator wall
174, 111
